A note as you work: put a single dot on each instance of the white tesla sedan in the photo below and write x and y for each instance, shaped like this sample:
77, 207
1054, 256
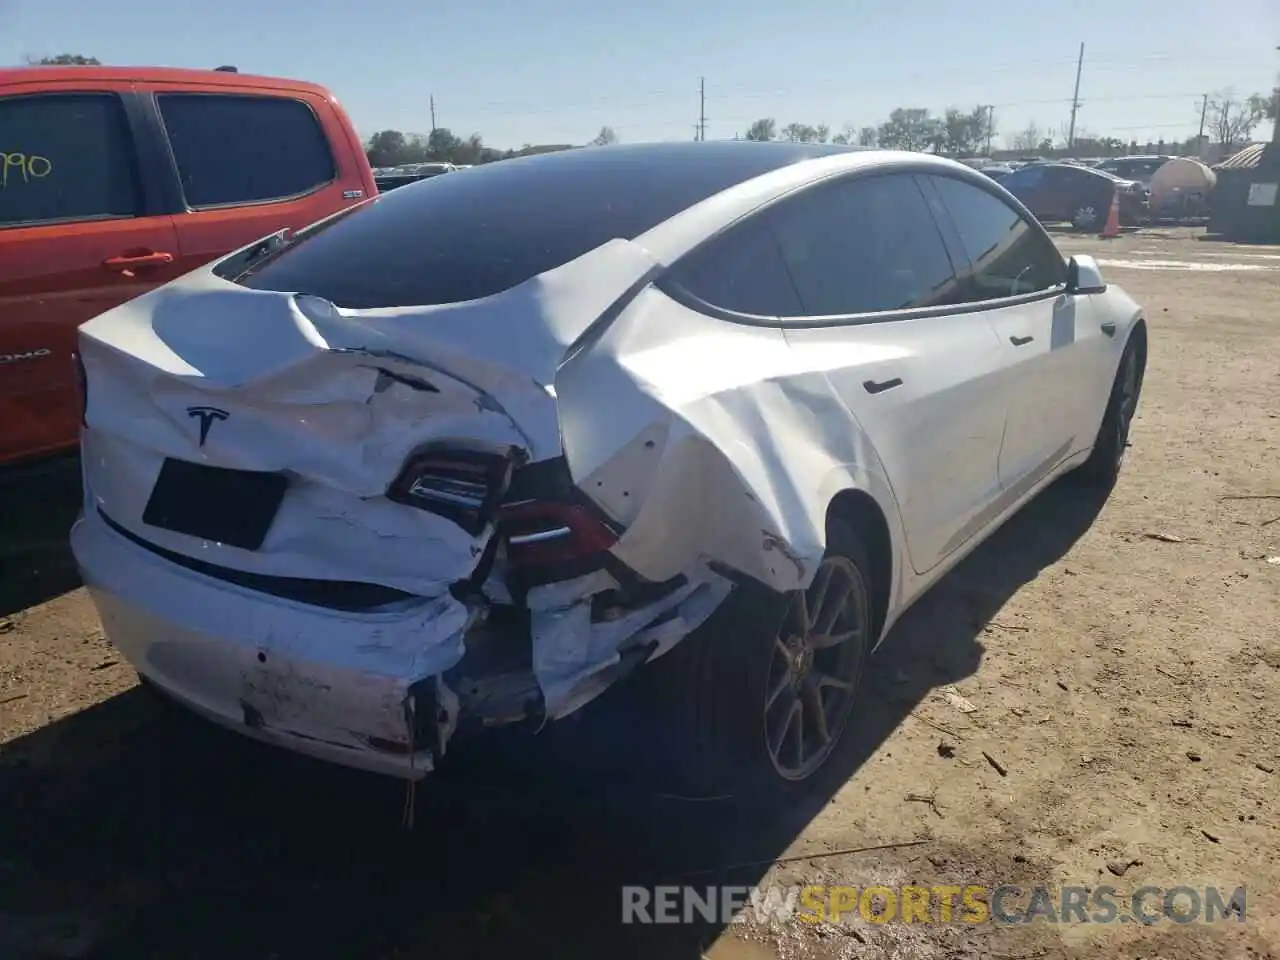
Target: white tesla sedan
471, 452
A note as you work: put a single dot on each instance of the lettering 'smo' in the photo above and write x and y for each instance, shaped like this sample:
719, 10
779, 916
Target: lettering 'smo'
29, 166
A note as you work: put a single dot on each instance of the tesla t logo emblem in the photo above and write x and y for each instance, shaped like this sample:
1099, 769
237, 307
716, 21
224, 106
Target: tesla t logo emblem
206, 416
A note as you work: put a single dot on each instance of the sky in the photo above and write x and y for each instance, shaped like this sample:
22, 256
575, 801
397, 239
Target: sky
556, 71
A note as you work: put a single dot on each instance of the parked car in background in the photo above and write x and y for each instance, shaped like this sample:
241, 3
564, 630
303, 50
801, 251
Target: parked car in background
412, 173
996, 170
117, 180
1081, 196
714, 413
424, 170
1137, 168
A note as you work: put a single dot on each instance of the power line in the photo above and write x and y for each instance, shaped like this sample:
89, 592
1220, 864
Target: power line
651, 96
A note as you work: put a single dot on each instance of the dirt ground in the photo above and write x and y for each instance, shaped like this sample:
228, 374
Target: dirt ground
1121, 667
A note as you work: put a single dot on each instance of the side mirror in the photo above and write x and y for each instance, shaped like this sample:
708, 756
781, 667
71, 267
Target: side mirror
1083, 276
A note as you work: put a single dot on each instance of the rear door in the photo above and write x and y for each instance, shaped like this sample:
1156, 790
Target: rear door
1029, 186
862, 292
1016, 277
251, 162
80, 232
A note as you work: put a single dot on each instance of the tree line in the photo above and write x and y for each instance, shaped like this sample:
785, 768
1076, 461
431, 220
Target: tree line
957, 132
1227, 119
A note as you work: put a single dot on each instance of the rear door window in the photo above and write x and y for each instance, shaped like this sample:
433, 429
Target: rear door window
864, 246
245, 149
742, 272
65, 157
1027, 178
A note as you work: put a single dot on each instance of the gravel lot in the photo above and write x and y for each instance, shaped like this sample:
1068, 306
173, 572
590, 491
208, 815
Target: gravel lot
1124, 666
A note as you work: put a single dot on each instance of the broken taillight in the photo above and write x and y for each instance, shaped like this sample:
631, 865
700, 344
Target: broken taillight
543, 520
459, 485
541, 533
547, 524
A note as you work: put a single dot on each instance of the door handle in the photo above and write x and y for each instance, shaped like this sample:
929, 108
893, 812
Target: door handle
125, 263
1109, 329
872, 386
1020, 341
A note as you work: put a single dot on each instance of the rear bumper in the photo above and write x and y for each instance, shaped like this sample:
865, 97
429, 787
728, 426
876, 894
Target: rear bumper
328, 684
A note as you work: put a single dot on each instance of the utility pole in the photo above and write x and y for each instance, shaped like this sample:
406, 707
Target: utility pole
1075, 101
702, 108
1275, 109
991, 124
1204, 112
433, 113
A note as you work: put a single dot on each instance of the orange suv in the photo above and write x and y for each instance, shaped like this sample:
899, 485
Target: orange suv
115, 180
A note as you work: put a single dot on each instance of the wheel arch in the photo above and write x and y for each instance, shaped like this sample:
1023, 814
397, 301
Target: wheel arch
860, 510
1138, 335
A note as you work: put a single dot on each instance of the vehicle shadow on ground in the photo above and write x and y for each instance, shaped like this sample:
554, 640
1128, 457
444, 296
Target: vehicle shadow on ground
132, 831
37, 507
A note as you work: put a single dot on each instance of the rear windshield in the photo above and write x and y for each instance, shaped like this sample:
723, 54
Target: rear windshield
1135, 168
449, 239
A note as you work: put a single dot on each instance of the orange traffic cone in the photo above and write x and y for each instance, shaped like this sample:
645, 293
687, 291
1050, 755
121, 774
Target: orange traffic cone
1112, 227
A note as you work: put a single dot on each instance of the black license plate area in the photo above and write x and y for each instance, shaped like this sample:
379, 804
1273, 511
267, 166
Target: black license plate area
235, 507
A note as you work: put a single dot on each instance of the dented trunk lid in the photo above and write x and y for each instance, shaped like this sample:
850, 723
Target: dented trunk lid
209, 373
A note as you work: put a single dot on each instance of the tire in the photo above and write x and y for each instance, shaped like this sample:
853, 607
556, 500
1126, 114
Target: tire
1087, 218
716, 684
1102, 469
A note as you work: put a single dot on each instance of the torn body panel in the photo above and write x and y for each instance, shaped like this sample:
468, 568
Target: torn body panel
339, 401
719, 445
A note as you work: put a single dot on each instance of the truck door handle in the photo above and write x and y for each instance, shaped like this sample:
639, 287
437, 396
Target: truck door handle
872, 386
1109, 329
1020, 341
125, 263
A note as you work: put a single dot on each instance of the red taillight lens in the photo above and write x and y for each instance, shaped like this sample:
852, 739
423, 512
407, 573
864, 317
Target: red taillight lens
82, 388
544, 534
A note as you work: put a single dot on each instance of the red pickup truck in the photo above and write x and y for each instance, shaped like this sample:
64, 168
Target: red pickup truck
114, 180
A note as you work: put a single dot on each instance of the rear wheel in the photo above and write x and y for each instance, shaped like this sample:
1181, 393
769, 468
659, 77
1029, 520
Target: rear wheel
1103, 466
760, 698
1086, 217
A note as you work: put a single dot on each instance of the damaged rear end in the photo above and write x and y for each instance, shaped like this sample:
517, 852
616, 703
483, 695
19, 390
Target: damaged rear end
354, 531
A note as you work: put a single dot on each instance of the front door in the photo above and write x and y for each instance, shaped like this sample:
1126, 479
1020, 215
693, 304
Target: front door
1017, 278
75, 241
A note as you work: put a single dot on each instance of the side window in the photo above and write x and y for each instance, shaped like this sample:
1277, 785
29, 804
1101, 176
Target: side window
864, 246
65, 157
1025, 178
1009, 256
243, 149
741, 271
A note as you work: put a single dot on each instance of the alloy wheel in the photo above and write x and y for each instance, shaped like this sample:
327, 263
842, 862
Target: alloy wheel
814, 671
